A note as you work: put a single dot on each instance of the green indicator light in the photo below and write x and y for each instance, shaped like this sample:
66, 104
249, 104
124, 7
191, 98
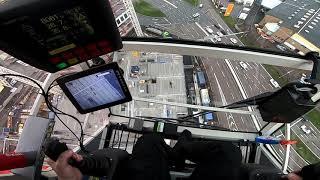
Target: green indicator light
62, 65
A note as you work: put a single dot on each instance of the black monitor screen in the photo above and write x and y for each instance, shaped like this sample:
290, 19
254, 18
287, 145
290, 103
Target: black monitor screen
96, 89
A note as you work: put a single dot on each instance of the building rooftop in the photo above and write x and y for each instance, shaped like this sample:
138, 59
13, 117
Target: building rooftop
302, 16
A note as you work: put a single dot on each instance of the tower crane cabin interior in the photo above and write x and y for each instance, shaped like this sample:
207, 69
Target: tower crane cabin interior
146, 89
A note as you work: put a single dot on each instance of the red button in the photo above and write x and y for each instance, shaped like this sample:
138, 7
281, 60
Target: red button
95, 53
55, 60
79, 51
67, 55
83, 57
107, 50
104, 44
91, 47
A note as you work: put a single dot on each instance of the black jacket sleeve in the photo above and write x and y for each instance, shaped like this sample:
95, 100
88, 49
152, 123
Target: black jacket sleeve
311, 172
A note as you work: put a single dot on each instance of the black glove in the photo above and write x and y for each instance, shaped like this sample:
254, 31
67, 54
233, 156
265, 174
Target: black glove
98, 163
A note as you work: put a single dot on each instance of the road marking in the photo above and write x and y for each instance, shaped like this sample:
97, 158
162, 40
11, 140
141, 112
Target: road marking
314, 136
316, 146
202, 28
233, 97
279, 136
305, 143
281, 153
242, 119
223, 74
167, 20
223, 98
224, 102
296, 122
293, 150
205, 32
228, 84
229, 124
243, 93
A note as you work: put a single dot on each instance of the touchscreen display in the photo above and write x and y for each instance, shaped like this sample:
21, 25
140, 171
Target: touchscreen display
96, 89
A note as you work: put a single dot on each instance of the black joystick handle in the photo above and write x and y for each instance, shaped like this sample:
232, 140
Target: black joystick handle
90, 165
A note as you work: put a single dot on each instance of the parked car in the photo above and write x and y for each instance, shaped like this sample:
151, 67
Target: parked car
305, 129
219, 33
13, 89
218, 39
200, 5
135, 69
243, 65
13, 82
195, 15
216, 26
209, 30
274, 83
282, 48
233, 40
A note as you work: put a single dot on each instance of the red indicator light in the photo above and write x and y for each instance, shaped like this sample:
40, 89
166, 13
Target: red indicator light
84, 57
107, 50
79, 51
55, 60
95, 53
103, 44
91, 47
67, 55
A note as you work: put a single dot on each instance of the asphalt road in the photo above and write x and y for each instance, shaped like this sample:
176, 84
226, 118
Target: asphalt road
254, 79
311, 140
296, 162
225, 91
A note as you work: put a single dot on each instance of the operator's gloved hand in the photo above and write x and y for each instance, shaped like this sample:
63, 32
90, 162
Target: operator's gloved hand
63, 169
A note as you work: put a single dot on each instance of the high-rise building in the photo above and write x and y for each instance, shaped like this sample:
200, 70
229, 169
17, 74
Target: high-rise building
122, 16
126, 17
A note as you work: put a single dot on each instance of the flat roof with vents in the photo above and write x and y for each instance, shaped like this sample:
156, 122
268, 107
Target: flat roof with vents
301, 16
